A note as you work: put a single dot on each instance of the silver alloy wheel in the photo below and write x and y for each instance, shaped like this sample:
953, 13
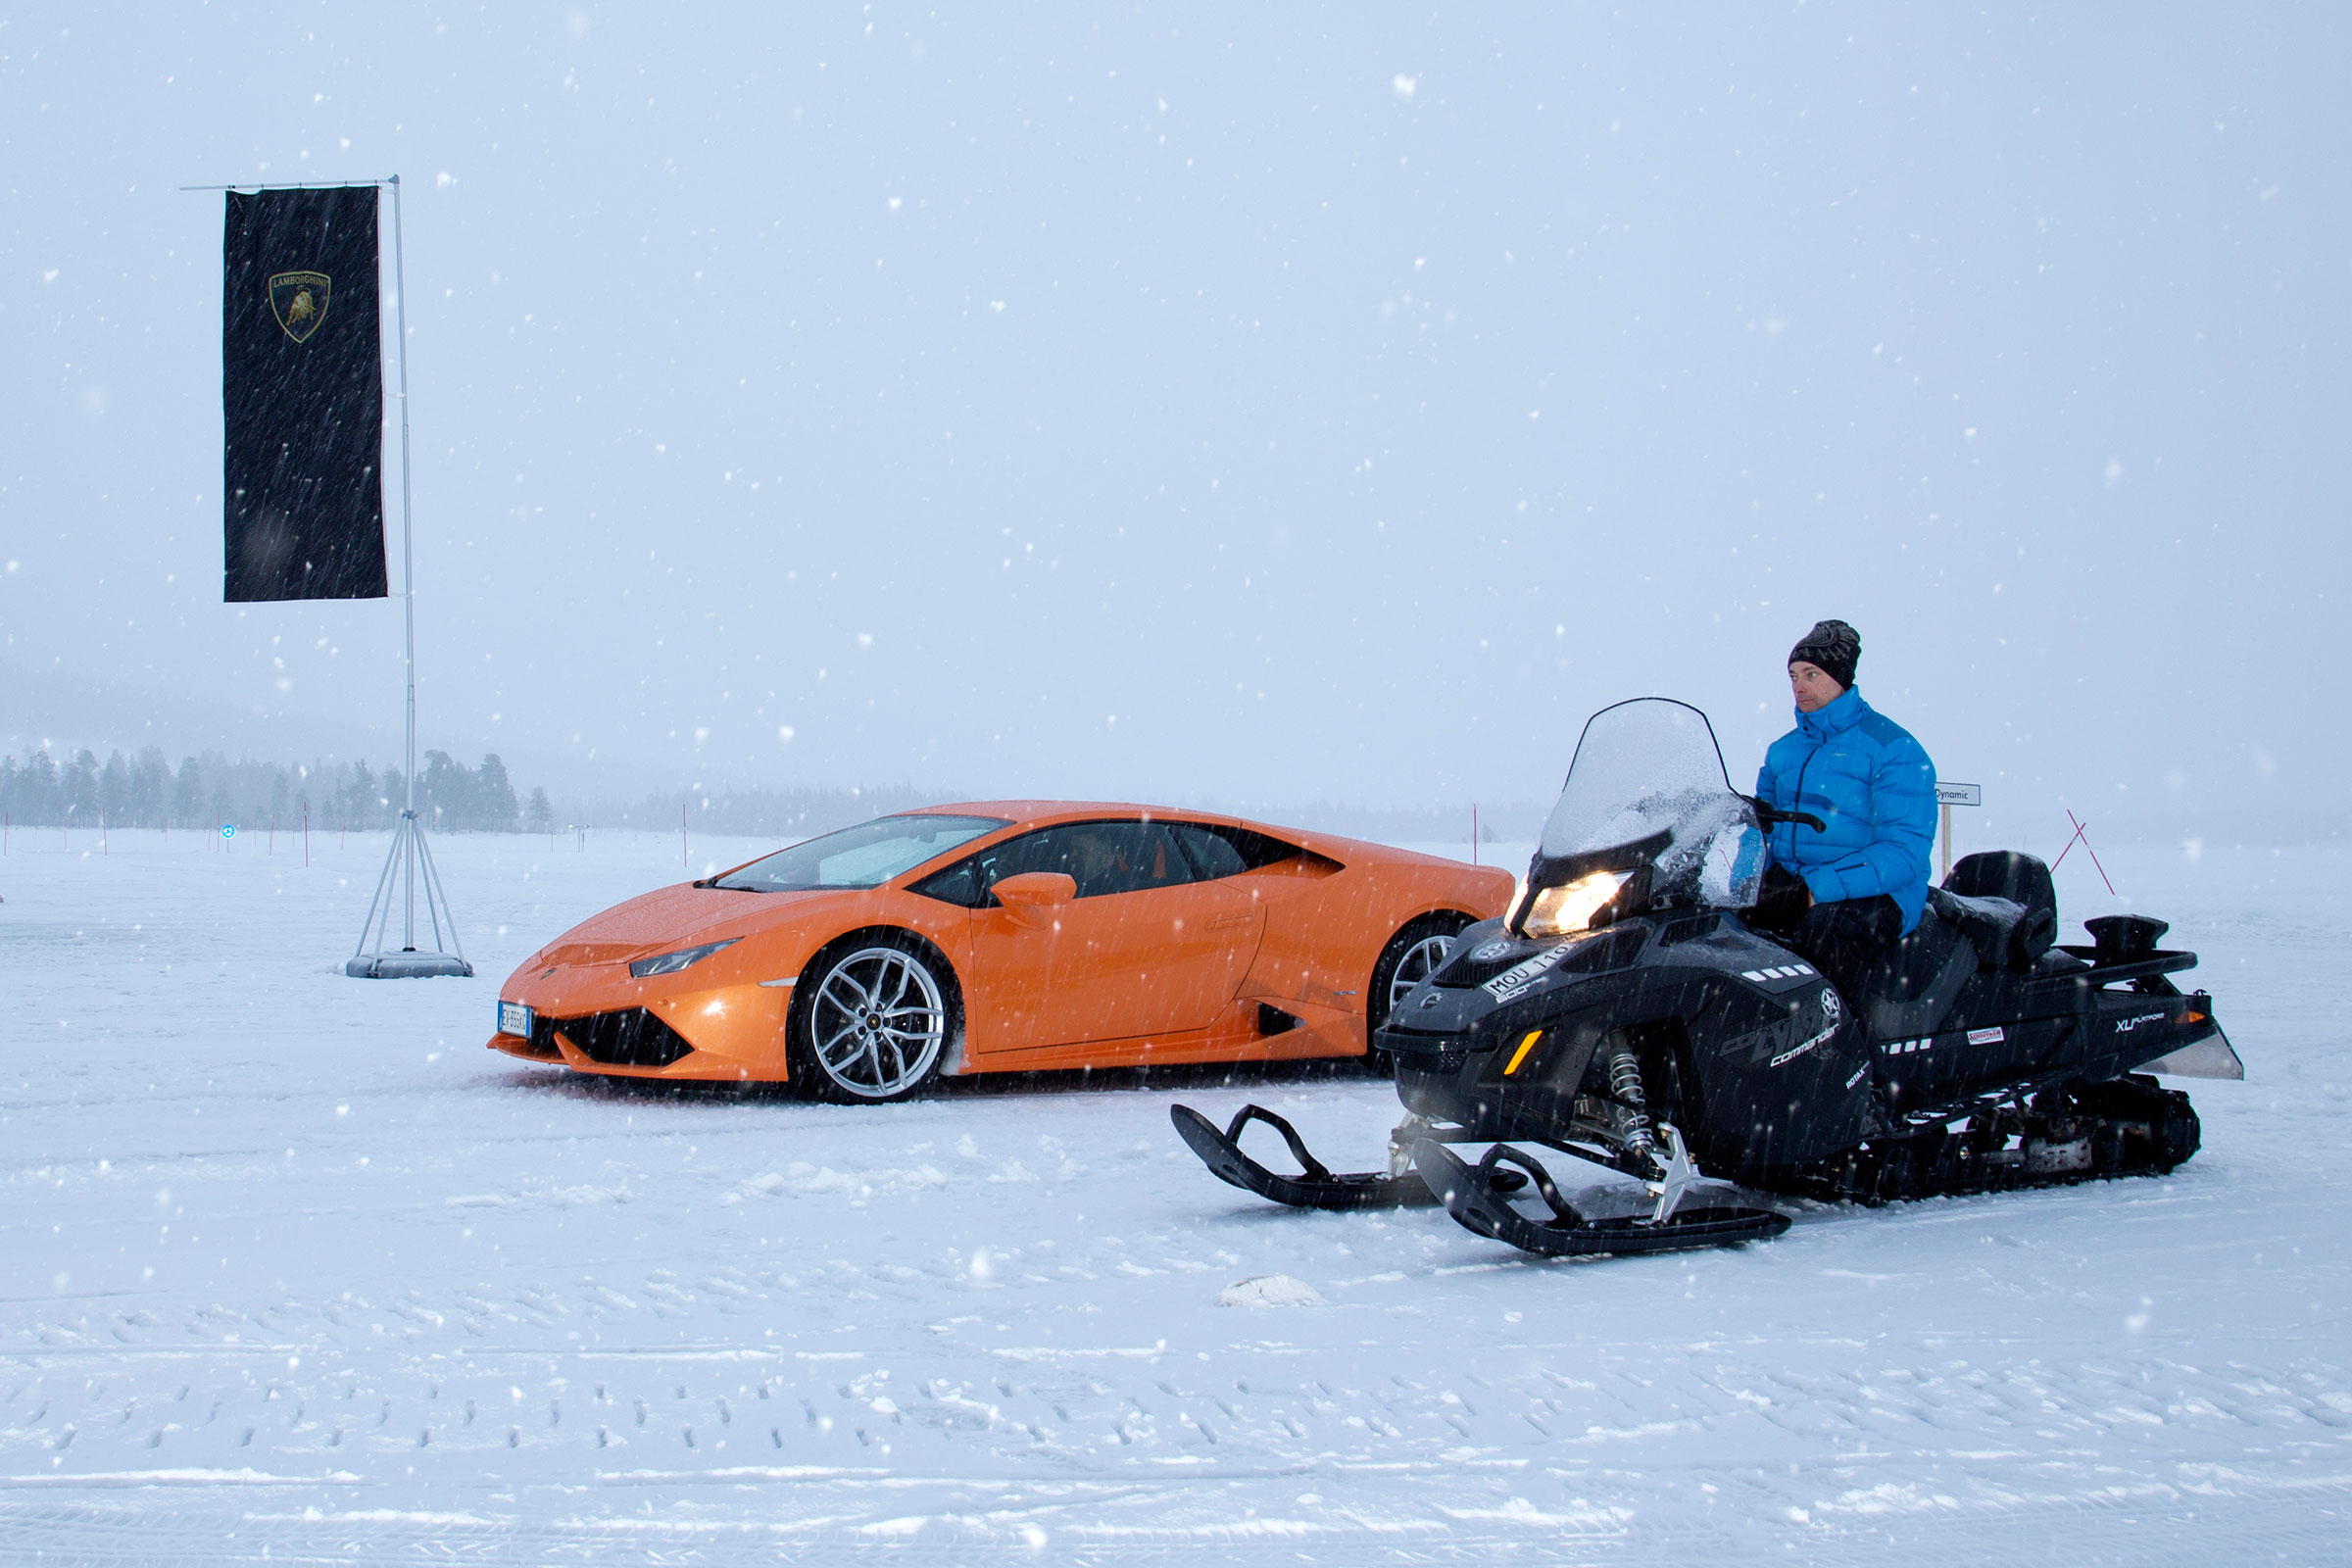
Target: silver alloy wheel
1420, 961
877, 1023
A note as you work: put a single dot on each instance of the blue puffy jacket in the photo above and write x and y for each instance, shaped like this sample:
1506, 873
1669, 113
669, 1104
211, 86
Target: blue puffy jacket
1873, 788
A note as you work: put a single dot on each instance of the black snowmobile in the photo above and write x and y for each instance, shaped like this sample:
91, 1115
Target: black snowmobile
1627, 1013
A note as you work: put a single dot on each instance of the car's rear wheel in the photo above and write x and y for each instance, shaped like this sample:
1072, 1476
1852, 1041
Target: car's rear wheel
873, 1018
1412, 955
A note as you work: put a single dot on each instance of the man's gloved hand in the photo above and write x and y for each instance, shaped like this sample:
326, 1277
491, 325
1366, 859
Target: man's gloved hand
1783, 903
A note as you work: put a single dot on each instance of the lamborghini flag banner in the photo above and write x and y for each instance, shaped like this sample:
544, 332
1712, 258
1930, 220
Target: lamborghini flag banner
302, 396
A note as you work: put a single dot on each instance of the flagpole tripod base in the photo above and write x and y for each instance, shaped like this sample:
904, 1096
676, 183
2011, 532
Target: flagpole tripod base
409, 865
407, 966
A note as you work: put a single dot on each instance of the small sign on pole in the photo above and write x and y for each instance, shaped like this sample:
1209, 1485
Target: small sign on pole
1948, 796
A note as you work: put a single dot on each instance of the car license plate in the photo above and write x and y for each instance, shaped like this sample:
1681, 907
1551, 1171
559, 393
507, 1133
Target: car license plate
514, 1018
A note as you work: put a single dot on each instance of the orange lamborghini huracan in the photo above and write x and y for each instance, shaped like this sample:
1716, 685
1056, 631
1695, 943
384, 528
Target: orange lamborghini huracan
1004, 936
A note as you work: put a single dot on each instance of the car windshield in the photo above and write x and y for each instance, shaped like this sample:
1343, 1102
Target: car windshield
1650, 771
863, 856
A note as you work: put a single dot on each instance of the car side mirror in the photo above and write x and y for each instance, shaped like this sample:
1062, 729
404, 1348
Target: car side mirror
1032, 894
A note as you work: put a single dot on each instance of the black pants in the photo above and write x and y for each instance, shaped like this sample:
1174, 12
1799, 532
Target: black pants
1848, 938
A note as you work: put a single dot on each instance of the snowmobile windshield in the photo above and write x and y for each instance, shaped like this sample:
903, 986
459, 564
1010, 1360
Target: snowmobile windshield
863, 856
1647, 816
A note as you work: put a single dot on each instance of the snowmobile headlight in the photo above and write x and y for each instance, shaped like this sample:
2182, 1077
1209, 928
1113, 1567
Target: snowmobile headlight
673, 963
1565, 911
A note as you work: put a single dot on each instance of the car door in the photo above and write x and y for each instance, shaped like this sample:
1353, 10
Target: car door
1146, 950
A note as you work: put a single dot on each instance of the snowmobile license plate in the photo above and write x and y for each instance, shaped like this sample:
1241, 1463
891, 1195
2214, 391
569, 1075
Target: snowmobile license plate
514, 1018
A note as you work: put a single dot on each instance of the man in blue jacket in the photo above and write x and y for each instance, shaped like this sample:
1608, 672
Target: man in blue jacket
1849, 893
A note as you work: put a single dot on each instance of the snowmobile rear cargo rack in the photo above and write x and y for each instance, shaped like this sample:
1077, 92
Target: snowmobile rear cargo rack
2113, 971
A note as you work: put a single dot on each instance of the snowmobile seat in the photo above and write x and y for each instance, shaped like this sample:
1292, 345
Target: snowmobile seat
2001, 930
2006, 903
1908, 993
2004, 874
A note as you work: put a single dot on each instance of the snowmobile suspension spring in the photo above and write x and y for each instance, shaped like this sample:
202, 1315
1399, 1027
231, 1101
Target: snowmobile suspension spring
1625, 1084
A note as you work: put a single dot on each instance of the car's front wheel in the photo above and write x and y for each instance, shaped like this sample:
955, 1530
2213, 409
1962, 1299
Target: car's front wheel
872, 1019
1411, 957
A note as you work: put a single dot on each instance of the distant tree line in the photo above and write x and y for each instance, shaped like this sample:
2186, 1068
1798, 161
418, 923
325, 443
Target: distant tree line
146, 790
205, 791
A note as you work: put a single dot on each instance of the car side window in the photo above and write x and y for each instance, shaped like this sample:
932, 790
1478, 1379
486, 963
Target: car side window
1101, 857
1140, 857
1211, 852
963, 883
1216, 849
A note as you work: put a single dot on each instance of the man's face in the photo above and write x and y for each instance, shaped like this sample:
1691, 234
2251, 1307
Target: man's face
1812, 687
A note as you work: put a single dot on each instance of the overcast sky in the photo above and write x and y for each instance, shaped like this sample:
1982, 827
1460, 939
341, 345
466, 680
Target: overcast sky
1265, 403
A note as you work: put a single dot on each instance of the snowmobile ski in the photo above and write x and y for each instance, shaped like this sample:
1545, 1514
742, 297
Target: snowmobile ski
1317, 1186
1473, 1196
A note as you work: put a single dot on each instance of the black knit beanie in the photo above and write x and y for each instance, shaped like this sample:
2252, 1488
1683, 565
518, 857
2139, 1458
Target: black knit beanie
1831, 644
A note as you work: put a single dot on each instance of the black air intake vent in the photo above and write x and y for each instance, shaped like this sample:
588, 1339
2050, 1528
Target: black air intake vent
1420, 1053
1476, 962
629, 1038
1689, 930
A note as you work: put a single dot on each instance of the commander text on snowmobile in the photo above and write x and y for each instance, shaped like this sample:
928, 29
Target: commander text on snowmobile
1625, 1013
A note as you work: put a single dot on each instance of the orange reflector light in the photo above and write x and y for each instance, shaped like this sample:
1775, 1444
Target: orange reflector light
2191, 1016
1520, 1056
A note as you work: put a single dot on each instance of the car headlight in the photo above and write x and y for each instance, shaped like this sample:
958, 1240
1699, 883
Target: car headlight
1565, 911
673, 963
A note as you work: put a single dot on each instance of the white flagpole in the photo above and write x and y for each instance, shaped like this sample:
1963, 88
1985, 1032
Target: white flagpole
408, 840
407, 556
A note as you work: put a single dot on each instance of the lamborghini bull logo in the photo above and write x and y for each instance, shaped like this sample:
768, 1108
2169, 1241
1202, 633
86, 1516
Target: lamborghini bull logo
299, 302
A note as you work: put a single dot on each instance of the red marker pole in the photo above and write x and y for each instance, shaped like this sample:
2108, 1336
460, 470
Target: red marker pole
1474, 834
682, 860
305, 835
2082, 837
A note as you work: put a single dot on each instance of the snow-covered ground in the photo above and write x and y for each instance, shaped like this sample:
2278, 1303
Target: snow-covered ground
294, 1270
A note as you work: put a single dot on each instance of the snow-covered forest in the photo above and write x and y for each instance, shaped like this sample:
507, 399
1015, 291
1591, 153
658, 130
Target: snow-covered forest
144, 790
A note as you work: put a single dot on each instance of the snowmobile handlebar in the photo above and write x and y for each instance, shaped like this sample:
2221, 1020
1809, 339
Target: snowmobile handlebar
1773, 816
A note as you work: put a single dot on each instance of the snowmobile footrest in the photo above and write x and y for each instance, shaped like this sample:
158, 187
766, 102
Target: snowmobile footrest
1315, 1187
1473, 1196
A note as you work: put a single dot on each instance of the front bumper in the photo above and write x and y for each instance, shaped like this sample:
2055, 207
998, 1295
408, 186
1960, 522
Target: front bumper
729, 1034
